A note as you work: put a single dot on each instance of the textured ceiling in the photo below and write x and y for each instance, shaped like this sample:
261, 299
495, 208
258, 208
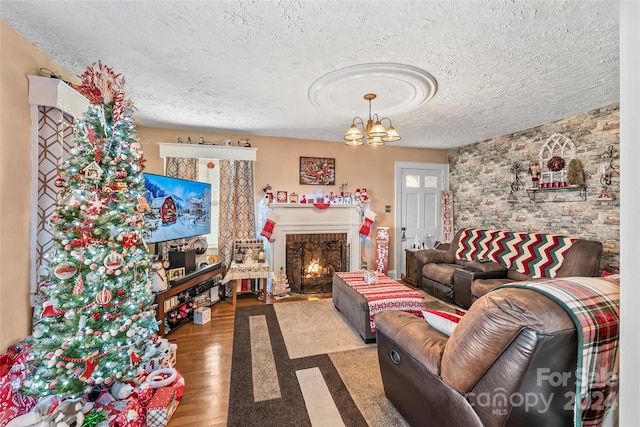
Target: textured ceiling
246, 67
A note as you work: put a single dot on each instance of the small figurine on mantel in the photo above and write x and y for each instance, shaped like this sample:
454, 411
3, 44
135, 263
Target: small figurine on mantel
534, 171
268, 194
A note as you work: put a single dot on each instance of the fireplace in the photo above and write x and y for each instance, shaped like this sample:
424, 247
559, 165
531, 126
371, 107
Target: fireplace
336, 226
311, 260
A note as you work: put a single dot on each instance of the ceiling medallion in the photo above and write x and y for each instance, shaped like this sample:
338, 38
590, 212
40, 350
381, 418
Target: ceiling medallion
399, 88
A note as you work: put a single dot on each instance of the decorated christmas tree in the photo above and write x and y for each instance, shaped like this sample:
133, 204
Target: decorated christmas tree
96, 322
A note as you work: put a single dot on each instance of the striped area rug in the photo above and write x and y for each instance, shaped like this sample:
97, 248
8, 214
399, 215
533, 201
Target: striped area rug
301, 364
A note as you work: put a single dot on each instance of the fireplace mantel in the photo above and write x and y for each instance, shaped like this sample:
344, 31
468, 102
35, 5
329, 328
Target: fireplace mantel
300, 218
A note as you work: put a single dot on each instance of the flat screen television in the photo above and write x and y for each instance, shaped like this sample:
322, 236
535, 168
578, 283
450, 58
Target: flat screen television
179, 208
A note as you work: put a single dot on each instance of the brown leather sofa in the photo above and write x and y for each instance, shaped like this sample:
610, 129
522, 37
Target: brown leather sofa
438, 267
500, 366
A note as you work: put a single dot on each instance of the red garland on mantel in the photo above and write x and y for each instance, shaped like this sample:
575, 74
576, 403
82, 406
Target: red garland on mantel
321, 205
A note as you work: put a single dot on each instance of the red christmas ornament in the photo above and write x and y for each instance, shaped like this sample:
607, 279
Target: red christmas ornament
104, 297
91, 135
121, 292
134, 357
78, 288
96, 205
96, 315
49, 310
90, 364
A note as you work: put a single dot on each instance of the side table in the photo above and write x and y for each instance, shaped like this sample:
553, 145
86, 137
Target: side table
463, 278
240, 271
411, 269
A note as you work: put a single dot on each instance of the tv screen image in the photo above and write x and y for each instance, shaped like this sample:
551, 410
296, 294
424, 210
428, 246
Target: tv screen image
179, 208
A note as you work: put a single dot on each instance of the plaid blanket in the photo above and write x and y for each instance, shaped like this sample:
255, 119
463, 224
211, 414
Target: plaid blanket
534, 254
594, 305
386, 295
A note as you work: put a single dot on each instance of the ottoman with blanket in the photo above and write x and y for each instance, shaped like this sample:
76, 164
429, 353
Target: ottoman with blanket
359, 302
478, 260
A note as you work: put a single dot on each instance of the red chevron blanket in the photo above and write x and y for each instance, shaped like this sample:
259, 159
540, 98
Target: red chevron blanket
537, 255
594, 305
386, 295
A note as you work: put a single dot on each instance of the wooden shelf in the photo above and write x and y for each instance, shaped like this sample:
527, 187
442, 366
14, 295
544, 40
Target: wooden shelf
581, 191
186, 283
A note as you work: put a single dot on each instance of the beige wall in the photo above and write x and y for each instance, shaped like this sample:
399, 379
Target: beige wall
278, 161
19, 59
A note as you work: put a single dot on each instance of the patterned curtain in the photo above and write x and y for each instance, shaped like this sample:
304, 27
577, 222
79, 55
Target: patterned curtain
181, 167
55, 136
237, 206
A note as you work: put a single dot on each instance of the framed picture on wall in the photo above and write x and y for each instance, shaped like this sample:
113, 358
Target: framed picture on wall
317, 171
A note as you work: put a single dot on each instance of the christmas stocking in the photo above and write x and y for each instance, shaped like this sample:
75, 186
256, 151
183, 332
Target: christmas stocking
267, 230
366, 229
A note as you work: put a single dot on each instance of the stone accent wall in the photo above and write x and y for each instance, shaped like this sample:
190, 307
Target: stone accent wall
480, 180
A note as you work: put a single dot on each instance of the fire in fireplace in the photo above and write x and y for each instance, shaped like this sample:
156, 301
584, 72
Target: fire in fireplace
311, 260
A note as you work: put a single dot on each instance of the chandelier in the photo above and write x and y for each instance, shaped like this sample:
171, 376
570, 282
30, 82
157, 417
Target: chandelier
373, 132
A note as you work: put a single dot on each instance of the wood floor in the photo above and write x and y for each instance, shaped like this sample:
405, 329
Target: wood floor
204, 359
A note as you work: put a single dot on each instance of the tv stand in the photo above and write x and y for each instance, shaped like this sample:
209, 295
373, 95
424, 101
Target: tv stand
185, 292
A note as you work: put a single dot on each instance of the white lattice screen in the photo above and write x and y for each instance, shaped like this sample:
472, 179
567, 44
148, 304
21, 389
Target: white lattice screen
55, 134
54, 109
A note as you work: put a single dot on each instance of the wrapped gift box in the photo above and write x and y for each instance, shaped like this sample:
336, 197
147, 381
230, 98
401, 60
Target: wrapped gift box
162, 406
164, 402
122, 413
13, 371
202, 315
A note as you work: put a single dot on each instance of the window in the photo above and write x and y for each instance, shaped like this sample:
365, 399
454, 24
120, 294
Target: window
209, 171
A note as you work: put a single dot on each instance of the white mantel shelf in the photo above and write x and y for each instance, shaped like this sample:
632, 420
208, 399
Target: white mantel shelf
305, 218
206, 151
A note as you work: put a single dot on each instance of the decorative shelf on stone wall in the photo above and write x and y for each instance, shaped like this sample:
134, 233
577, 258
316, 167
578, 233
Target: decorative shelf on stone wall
581, 191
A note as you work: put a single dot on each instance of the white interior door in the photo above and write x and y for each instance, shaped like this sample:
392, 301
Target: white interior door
418, 199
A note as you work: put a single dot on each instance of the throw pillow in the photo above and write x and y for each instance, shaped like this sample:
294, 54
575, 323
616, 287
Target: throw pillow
441, 321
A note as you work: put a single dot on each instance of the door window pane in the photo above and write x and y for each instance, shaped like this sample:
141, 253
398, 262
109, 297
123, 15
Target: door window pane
430, 182
412, 181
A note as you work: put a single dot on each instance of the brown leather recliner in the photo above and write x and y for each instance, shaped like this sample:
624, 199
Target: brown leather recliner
511, 361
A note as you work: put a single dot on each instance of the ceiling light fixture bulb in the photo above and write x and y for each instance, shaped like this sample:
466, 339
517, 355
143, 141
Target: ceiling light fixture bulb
376, 140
